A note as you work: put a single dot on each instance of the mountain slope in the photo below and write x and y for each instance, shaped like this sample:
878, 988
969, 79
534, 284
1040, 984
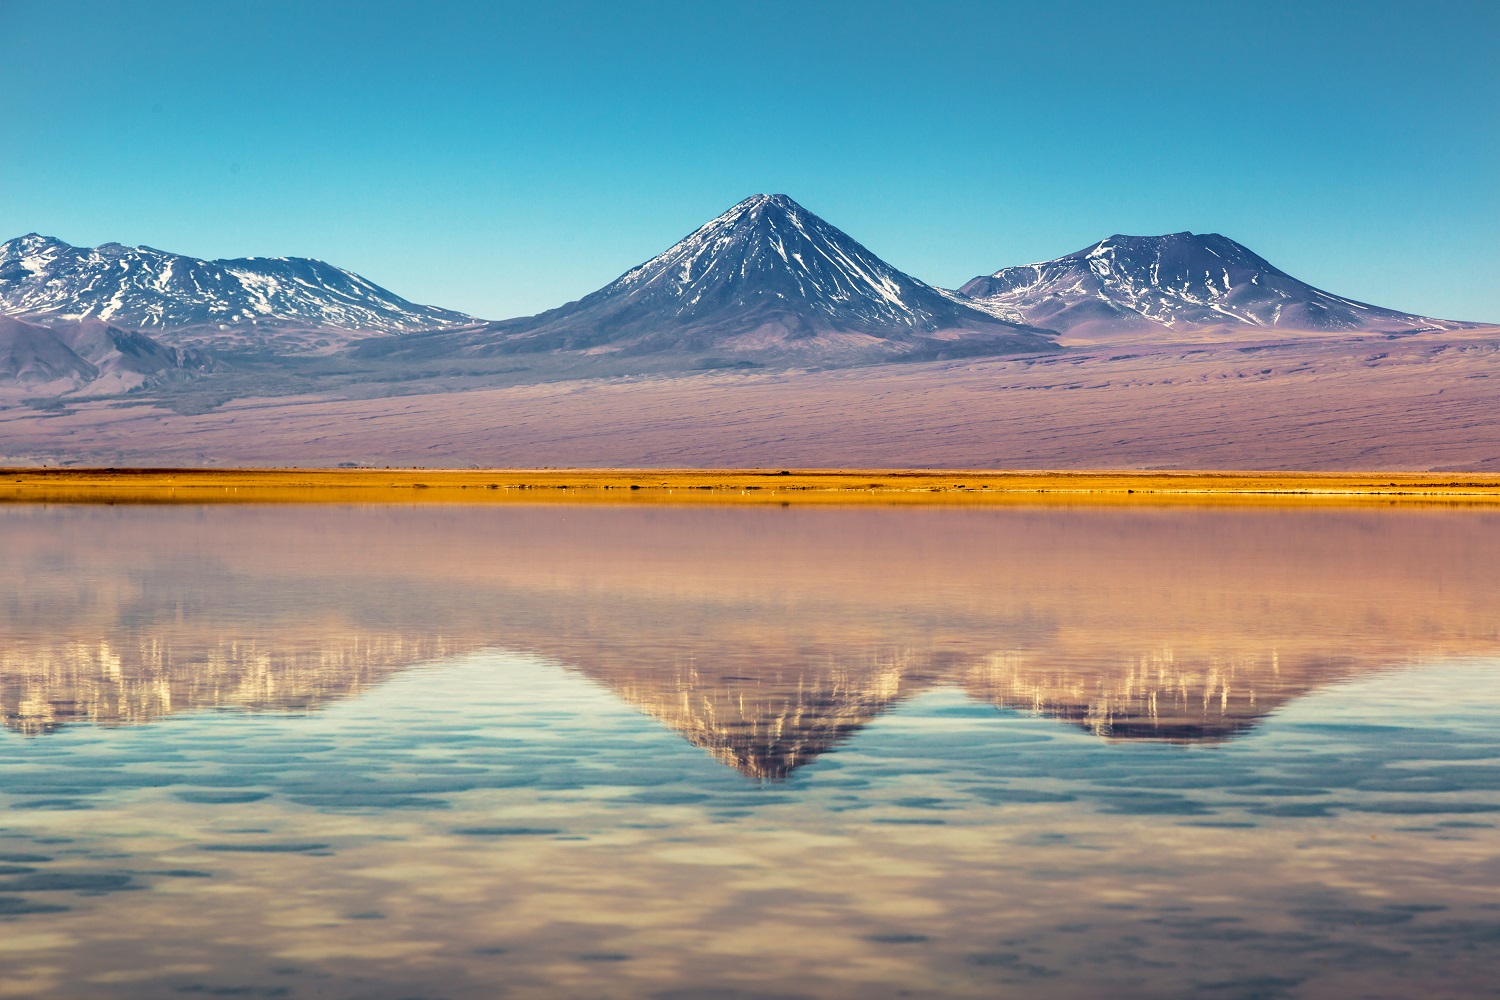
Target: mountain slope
281, 303
1180, 283
766, 282
33, 355
90, 355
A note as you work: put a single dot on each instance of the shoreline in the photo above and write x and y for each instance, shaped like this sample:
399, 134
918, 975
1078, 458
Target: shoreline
755, 486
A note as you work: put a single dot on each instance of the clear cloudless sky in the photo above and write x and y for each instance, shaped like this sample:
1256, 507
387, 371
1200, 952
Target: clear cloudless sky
504, 158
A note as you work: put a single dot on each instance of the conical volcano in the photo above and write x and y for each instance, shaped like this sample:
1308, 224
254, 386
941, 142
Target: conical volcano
769, 260
766, 282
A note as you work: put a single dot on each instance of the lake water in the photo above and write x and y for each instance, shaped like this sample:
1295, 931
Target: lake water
511, 751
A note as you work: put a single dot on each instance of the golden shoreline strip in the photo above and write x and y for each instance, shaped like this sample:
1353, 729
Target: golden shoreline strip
823, 486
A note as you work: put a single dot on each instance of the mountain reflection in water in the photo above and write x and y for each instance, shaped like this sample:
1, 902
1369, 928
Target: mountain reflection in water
469, 752
764, 636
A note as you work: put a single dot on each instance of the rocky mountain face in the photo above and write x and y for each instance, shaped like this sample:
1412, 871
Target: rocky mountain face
766, 282
1176, 284
288, 304
91, 356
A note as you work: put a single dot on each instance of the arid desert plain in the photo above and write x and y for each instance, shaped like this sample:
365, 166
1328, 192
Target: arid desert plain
1417, 403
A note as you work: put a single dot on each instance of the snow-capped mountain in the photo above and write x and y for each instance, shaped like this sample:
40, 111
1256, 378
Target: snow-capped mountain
766, 281
90, 355
1176, 284
281, 303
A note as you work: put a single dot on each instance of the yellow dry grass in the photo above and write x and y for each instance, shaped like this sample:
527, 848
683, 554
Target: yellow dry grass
837, 486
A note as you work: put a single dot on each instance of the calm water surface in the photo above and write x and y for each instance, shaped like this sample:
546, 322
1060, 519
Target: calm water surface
724, 752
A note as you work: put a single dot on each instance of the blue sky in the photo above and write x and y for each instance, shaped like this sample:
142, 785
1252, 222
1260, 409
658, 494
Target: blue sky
503, 159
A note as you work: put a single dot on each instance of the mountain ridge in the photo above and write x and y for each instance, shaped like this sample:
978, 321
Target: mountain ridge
289, 304
766, 284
